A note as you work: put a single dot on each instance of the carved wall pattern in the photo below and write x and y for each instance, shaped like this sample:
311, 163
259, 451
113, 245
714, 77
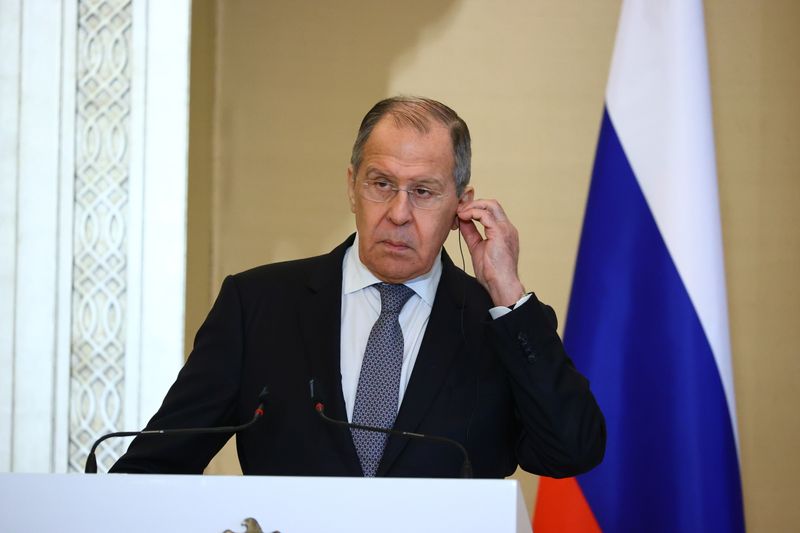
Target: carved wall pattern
101, 203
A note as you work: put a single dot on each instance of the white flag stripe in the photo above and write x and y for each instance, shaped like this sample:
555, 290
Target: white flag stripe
658, 99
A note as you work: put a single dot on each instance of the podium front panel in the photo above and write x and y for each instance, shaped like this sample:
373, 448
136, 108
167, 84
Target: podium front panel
216, 504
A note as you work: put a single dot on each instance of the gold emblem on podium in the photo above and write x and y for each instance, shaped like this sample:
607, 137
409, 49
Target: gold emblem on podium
251, 526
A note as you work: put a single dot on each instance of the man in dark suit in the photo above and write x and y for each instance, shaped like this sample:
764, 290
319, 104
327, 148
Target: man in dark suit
478, 359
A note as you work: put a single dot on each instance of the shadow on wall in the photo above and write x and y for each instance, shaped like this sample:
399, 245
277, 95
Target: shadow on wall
294, 80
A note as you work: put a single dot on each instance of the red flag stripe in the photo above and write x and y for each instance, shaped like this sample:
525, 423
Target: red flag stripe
562, 508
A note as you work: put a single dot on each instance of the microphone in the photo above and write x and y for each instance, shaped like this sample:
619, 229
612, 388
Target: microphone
91, 459
319, 407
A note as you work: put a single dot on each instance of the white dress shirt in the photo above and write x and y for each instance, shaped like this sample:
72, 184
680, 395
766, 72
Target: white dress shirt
361, 305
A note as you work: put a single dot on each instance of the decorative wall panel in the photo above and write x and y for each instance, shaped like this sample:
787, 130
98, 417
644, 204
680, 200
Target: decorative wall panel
100, 225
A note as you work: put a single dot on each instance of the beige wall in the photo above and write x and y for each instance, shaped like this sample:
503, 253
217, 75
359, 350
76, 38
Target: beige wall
278, 89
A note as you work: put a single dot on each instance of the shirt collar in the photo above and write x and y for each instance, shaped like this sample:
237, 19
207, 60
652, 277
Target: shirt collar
356, 276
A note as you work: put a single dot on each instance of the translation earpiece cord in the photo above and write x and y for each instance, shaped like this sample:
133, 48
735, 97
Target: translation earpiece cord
464, 296
464, 336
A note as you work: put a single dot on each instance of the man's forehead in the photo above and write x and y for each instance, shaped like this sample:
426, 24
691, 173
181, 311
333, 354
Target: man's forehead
431, 167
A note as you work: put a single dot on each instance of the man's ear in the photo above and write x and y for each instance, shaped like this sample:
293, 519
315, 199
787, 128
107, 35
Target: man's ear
466, 196
351, 188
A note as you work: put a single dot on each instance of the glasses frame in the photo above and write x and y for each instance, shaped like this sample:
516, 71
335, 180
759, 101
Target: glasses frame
368, 182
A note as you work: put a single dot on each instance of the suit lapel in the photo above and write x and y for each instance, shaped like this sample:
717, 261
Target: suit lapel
439, 347
320, 321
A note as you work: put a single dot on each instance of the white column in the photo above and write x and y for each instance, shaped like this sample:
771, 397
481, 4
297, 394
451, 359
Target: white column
35, 130
159, 169
10, 30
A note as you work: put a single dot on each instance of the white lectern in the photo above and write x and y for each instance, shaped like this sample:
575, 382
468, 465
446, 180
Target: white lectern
128, 503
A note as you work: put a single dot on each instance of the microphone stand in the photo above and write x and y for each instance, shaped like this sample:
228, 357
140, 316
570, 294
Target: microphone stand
319, 407
91, 459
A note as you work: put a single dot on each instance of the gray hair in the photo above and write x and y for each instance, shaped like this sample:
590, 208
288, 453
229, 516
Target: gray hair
417, 112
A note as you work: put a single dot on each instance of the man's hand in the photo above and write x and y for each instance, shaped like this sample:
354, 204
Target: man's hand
495, 257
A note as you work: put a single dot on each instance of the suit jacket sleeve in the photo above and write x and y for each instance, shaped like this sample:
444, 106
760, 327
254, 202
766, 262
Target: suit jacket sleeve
562, 431
203, 395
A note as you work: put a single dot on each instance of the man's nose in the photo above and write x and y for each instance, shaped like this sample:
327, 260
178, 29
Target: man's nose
400, 208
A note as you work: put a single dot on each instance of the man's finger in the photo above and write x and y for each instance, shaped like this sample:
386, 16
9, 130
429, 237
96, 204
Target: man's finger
470, 233
492, 206
484, 216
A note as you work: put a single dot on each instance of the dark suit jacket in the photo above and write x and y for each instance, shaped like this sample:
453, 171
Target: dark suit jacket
504, 388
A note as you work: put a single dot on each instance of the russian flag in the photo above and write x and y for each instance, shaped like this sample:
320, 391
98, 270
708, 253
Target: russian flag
647, 319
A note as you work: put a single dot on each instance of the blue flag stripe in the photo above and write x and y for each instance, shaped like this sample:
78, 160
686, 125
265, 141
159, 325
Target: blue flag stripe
671, 462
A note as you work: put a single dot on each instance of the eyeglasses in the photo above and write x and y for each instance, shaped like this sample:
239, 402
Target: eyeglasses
382, 191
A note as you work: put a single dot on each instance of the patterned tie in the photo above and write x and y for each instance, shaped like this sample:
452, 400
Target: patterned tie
379, 382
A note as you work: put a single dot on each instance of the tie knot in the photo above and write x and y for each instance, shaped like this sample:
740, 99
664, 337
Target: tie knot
393, 297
